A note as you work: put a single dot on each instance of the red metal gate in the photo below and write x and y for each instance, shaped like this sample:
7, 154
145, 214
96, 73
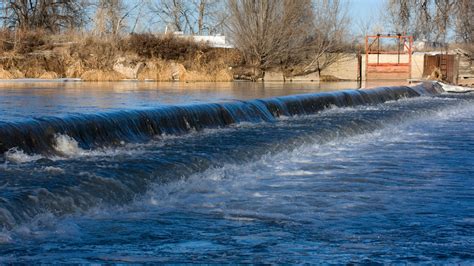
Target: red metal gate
388, 62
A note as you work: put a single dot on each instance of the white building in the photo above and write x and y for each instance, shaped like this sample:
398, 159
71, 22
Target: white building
216, 41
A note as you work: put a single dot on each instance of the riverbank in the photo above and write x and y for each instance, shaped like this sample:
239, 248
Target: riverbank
95, 58
143, 57
163, 58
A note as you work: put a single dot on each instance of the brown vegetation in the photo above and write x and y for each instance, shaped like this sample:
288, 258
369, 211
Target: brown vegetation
51, 39
167, 47
92, 58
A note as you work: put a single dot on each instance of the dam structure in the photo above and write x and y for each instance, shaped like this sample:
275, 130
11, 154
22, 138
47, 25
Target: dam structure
96, 130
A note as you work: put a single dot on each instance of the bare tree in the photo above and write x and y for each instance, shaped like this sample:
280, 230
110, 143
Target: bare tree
299, 36
175, 14
50, 15
464, 21
138, 15
328, 40
423, 20
444, 11
432, 20
110, 16
267, 32
365, 26
400, 14
211, 16
190, 16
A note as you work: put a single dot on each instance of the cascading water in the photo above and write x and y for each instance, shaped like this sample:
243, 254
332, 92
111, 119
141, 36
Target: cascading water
353, 175
92, 131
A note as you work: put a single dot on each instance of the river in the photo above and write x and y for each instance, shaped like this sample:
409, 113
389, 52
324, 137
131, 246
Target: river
235, 172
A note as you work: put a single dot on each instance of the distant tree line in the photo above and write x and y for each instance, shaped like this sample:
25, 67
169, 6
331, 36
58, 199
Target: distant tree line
109, 16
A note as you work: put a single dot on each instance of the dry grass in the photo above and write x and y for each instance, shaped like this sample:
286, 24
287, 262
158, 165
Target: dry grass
161, 70
17, 74
75, 69
157, 69
95, 53
222, 75
78, 55
33, 71
4, 74
49, 75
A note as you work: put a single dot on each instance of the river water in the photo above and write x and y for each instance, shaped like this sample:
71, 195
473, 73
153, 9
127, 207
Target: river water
202, 173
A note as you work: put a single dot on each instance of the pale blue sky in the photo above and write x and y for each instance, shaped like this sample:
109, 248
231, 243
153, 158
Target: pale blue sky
364, 10
364, 7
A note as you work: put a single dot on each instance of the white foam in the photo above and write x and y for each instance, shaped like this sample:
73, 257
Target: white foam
67, 146
5, 237
233, 188
453, 88
53, 170
296, 173
47, 225
16, 155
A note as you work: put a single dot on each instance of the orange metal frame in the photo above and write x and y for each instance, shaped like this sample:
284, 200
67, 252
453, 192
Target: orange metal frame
397, 69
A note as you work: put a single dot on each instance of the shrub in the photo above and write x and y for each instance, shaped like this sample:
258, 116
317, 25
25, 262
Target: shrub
29, 41
7, 41
168, 47
96, 53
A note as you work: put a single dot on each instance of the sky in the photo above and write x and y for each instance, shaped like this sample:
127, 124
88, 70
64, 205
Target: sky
364, 7
360, 9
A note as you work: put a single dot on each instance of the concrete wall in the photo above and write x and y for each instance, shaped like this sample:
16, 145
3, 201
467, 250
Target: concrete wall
417, 62
346, 68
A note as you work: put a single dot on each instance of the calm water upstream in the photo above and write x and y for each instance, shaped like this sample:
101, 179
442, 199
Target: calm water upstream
130, 172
